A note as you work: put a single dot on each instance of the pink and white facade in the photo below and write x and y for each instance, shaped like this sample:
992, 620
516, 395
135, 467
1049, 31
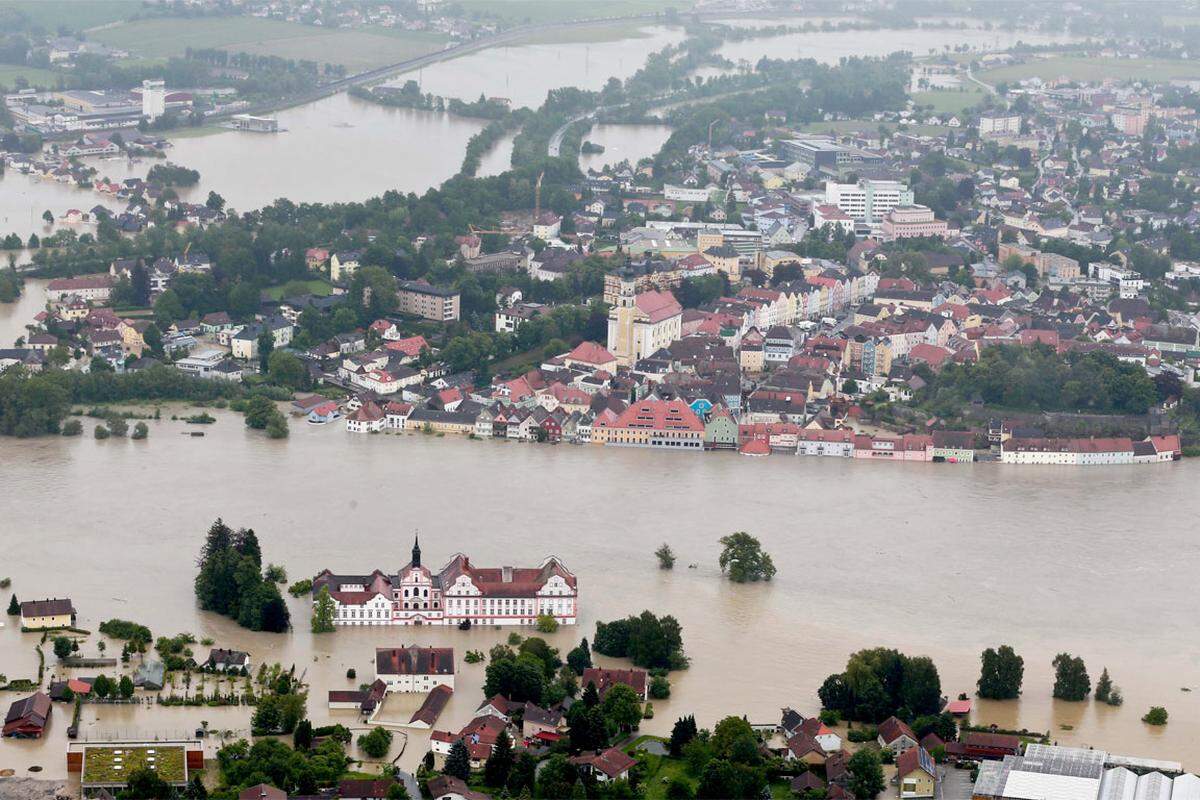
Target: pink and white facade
460, 592
908, 222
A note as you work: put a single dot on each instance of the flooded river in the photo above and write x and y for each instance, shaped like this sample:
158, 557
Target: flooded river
623, 143
525, 72
365, 149
928, 558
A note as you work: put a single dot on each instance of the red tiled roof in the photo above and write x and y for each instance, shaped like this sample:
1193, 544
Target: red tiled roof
658, 306
604, 679
613, 762
660, 415
591, 353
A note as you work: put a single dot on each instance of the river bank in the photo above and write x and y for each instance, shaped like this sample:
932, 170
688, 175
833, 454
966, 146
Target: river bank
932, 560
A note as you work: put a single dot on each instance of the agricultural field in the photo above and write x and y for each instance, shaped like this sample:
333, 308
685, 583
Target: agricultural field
1093, 68
587, 34
109, 766
357, 49
38, 78
949, 101
76, 15
527, 11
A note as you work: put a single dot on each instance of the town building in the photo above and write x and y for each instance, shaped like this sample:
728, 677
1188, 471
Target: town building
868, 200
667, 424
458, 593
641, 324
414, 669
39, 615
27, 718
423, 300
908, 222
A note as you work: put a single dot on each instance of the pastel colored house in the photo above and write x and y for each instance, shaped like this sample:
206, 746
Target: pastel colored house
39, 615
916, 775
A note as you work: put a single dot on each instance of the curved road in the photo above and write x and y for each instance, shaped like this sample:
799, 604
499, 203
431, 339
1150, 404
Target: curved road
555, 144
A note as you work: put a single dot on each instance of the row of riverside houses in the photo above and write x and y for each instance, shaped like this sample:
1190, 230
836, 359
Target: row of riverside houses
460, 593
689, 397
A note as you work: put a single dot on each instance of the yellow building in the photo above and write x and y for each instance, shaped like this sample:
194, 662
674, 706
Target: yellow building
40, 615
916, 775
642, 323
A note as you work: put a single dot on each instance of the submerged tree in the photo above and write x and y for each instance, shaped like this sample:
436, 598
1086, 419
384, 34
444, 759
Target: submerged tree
1001, 673
665, 556
1071, 681
744, 560
1104, 687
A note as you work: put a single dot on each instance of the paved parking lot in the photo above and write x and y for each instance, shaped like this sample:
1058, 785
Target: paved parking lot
953, 784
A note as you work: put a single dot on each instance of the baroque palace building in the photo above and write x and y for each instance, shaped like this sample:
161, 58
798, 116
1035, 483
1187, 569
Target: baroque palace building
458, 593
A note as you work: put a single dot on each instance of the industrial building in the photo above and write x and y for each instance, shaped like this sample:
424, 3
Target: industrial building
1051, 772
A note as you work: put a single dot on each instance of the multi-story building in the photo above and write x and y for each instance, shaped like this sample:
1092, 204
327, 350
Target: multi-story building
907, 222
641, 323
94, 288
458, 593
414, 669
424, 300
1130, 120
868, 200
1090, 451
667, 424
1000, 124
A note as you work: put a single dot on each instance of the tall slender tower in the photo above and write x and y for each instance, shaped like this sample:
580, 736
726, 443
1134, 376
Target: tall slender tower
416, 551
154, 99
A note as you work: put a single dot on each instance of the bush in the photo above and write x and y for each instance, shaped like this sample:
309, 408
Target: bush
101, 432
140, 431
351, 674
117, 426
830, 717
1157, 715
72, 427
660, 688
862, 734
300, 588
546, 623
275, 573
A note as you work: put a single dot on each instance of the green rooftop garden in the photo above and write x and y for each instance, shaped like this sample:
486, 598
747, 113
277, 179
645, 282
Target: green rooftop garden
111, 765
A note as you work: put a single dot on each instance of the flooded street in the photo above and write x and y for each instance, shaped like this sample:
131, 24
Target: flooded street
931, 559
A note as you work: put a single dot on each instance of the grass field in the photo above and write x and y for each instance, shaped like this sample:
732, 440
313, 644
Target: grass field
112, 765
315, 286
949, 100
1084, 68
38, 78
357, 49
75, 14
517, 11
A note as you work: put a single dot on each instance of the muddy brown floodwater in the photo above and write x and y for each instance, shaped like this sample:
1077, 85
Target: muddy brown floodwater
932, 559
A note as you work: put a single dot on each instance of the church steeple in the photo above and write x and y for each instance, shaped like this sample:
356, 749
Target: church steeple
416, 551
